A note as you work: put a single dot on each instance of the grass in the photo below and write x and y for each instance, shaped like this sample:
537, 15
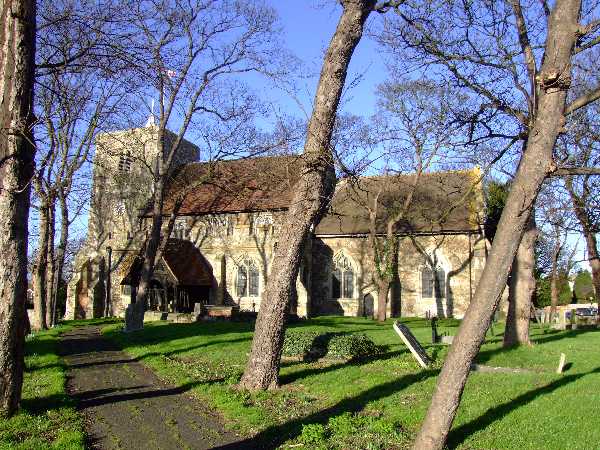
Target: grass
47, 418
369, 404
380, 403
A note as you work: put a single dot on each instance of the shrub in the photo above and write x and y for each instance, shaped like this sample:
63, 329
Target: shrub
351, 346
340, 346
299, 343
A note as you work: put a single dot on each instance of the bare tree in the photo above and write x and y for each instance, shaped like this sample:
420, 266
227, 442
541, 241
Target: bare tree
512, 70
17, 43
193, 55
415, 118
312, 193
581, 145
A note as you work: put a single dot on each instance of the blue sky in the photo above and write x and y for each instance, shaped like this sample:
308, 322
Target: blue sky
308, 27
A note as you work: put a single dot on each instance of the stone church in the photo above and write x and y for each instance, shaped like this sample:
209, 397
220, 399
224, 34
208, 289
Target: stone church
226, 218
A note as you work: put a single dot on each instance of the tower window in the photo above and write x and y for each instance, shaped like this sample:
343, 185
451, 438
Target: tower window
125, 161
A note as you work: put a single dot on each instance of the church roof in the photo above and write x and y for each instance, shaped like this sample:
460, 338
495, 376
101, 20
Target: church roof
250, 184
181, 257
449, 201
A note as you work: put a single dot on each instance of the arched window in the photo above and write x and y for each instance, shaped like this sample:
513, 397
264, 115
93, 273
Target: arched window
433, 282
248, 279
342, 278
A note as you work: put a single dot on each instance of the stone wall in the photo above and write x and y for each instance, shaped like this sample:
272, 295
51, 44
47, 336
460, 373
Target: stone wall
450, 251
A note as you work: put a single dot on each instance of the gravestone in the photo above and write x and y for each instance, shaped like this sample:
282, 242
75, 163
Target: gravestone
561, 363
197, 310
413, 345
134, 317
434, 332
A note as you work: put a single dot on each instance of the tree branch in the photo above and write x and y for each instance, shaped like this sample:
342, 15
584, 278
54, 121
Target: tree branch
582, 101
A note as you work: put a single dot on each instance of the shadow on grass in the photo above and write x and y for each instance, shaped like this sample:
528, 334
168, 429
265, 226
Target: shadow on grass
550, 336
319, 370
276, 435
458, 435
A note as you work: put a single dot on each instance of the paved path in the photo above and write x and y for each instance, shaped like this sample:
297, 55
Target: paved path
126, 406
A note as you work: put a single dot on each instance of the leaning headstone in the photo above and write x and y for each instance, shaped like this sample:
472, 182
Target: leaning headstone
561, 363
413, 345
134, 317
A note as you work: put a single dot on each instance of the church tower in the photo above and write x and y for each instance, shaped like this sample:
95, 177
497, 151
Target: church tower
122, 186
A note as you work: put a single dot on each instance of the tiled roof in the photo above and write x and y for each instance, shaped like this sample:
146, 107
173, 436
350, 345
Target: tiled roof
182, 258
187, 263
251, 184
443, 202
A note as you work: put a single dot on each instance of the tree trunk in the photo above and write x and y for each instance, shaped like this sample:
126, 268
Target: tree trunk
594, 259
383, 289
579, 206
17, 44
41, 270
521, 288
50, 264
553, 293
536, 163
554, 278
312, 193
153, 242
60, 251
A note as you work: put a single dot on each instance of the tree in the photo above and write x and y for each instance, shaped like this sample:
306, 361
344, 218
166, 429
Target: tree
17, 41
78, 90
581, 145
583, 287
417, 123
192, 54
513, 71
312, 193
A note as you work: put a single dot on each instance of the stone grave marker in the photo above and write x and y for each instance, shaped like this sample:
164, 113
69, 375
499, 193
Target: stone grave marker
561, 363
413, 345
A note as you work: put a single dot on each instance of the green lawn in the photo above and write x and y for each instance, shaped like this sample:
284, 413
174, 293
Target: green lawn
47, 418
379, 403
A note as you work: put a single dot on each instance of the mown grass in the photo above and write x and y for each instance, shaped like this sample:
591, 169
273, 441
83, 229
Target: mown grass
380, 403
47, 418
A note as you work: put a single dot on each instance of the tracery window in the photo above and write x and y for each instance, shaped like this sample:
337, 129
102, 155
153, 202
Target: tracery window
180, 230
433, 282
215, 224
342, 278
248, 279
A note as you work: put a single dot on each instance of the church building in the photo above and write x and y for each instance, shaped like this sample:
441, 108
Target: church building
226, 219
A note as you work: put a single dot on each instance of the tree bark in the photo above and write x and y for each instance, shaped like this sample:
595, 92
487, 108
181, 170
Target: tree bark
49, 300
153, 242
60, 251
17, 44
382, 296
521, 288
41, 269
536, 163
312, 193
